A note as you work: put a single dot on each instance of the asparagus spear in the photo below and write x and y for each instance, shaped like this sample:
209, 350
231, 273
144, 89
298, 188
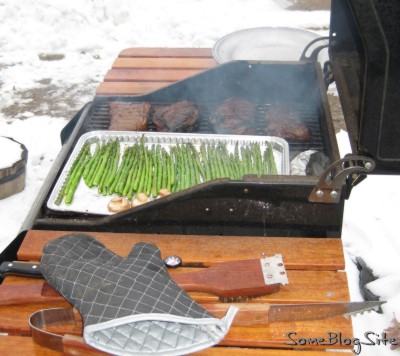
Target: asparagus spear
125, 172
130, 172
103, 165
149, 173
206, 163
154, 191
114, 167
76, 178
92, 160
271, 160
113, 186
95, 166
199, 166
164, 166
76, 166
103, 178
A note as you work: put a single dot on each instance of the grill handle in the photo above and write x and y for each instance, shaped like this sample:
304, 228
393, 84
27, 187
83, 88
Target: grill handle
350, 170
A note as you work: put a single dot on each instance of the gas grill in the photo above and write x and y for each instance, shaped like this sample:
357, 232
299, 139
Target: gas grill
365, 62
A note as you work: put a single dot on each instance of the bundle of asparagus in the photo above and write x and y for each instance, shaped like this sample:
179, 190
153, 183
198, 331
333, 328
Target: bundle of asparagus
152, 168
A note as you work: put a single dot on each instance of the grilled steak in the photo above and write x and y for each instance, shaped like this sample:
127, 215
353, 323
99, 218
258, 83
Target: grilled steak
235, 116
282, 122
129, 116
178, 117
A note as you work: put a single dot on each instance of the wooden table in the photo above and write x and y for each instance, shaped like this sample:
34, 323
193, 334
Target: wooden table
315, 266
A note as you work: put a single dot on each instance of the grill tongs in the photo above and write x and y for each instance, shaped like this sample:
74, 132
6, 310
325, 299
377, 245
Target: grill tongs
62, 319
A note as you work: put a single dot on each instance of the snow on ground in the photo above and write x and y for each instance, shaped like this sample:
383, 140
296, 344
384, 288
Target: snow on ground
53, 54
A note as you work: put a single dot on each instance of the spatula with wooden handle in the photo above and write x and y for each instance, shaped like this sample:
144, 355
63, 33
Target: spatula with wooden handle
231, 281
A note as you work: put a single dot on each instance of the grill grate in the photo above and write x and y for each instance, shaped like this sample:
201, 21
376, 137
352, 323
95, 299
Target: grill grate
309, 115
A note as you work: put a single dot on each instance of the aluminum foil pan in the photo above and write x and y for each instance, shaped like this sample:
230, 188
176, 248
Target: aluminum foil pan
88, 200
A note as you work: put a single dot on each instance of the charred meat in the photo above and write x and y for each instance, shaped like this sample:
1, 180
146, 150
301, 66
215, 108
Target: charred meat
129, 116
282, 122
178, 117
235, 116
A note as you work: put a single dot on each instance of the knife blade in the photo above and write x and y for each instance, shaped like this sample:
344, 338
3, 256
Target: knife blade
264, 313
319, 311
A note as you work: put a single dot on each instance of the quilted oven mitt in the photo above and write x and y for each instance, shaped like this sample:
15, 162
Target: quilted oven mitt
129, 306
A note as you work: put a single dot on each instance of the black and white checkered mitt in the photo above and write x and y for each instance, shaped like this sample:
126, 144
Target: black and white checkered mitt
130, 306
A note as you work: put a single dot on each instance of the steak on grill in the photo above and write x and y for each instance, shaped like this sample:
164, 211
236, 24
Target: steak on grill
282, 122
235, 116
129, 116
178, 117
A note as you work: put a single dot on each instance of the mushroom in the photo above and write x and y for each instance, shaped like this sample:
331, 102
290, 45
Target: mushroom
141, 198
117, 204
164, 192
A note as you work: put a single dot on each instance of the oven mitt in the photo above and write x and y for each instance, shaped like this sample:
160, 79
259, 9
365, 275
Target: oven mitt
129, 306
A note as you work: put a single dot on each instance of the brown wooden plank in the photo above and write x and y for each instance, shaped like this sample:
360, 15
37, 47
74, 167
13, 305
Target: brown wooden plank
298, 253
304, 286
217, 351
166, 52
14, 321
277, 334
149, 75
166, 63
21, 345
128, 88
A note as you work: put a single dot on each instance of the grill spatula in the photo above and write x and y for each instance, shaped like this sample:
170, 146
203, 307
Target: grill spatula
231, 281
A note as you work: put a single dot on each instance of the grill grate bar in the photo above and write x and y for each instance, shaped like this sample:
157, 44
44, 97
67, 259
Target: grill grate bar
309, 115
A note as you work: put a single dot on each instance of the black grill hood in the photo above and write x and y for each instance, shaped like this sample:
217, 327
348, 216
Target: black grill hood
365, 56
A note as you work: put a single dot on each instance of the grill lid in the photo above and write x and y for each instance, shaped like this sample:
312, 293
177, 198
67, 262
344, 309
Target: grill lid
365, 57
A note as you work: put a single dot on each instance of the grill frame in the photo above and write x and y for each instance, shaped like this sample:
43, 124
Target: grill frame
266, 206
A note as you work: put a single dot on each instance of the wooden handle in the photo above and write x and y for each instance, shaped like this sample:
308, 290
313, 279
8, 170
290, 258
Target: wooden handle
243, 278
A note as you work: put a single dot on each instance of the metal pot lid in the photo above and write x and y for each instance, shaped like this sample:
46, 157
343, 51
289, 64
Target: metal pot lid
267, 43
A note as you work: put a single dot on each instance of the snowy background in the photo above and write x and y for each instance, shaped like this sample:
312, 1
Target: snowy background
54, 53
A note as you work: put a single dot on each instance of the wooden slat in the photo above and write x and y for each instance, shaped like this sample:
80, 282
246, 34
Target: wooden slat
149, 75
298, 253
222, 351
166, 52
128, 88
25, 346
276, 334
21, 345
166, 63
139, 71
304, 286
14, 321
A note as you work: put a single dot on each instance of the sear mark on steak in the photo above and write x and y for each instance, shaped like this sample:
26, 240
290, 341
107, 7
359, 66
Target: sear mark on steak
235, 116
127, 116
282, 122
178, 117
